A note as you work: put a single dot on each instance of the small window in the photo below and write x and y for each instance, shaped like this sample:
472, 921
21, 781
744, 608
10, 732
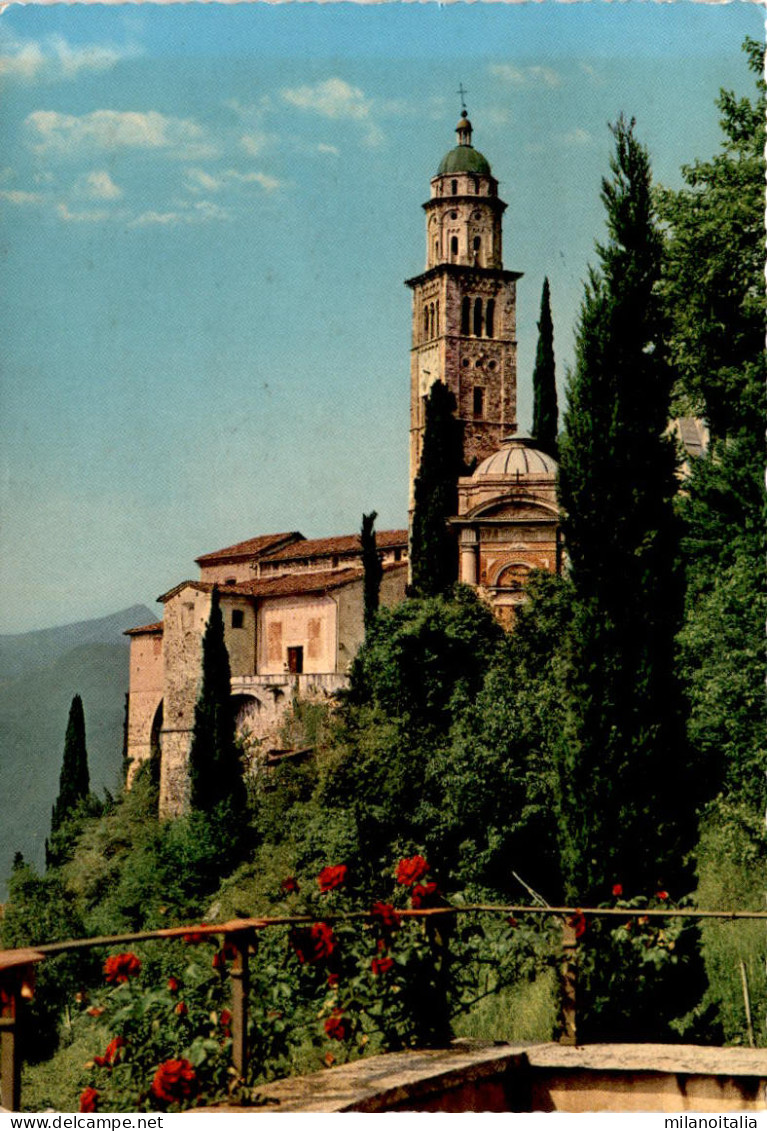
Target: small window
491, 365
334, 561
477, 243
426, 321
479, 402
454, 187
489, 317
436, 249
238, 618
465, 362
397, 554
436, 319
230, 581
465, 315
431, 321
295, 660
478, 317
453, 215
454, 245
474, 185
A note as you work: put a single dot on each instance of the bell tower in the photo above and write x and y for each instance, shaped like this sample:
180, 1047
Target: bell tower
464, 306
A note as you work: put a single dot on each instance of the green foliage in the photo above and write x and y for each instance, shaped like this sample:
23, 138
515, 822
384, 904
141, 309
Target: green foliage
434, 560
713, 279
545, 412
74, 782
371, 562
214, 764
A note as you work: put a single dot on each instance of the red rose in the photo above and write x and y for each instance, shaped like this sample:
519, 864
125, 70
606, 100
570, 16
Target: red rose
334, 876
120, 967
181, 1009
662, 896
411, 870
111, 1053
173, 985
513, 922
225, 1017
95, 1011
335, 1026
578, 923
289, 884
334, 979
174, 1080
385, 916
314, 943
424, 895
381, 966
88, 1099
194, 937
617, 890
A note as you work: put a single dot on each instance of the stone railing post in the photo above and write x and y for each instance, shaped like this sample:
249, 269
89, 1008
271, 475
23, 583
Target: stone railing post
240, 975
16, 985
568, 980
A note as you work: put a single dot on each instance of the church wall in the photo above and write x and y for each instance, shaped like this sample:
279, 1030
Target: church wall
296, 622
220, 574
240, 641
146, 689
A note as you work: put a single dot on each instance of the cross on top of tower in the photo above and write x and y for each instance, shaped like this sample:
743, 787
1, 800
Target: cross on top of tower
462, 92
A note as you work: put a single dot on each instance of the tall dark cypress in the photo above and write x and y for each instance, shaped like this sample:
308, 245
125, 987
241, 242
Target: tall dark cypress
214, 762
74, 782
434, 557
627, 803
371, 562
545, 409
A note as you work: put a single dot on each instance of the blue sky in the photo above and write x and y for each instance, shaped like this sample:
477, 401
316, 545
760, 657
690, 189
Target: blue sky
207, 214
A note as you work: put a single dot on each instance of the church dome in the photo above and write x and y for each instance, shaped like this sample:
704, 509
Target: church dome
517, 459
464, 158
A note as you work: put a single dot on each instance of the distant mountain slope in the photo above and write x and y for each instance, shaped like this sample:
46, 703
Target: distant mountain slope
34, 707
26, 651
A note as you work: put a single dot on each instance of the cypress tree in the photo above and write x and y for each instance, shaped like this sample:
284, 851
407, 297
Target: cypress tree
434, 558
627, 807
371, 561
545, 410
74, 781
214, 762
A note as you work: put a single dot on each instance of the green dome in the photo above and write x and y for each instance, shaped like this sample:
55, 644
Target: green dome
464, 159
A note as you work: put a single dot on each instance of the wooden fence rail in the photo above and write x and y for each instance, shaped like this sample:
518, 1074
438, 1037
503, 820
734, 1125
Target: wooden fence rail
17, 967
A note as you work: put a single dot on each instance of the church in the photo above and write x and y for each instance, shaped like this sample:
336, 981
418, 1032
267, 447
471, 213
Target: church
292, 606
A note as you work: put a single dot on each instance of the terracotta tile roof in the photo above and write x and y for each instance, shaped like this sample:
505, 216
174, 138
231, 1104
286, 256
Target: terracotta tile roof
145, 628
342, 544
252, 548
285, 585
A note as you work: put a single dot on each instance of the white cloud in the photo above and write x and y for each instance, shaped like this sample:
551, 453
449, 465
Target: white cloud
54, 58
88, 217
19, 196
323, 147
338, 100
66, 134
254, 143
198, 180
578, 136
535, 75
201, 212
98, 185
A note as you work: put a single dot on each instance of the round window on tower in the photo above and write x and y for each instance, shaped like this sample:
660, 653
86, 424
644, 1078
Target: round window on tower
465, 362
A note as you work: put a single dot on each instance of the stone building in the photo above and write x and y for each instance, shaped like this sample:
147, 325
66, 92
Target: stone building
293, 622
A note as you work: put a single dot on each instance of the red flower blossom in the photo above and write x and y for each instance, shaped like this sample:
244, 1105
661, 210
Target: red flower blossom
314, 943
381, 966
578, 923
334, 979
617, 890
662, 896
384, 916
227, 953
334, 876
225, 1017
424, 895
335, 1026
88, 1099
111, 1053
120, 967
513, 922
174, 1080
95, 1011
181, 1009
289, 884
173, 985
411, 870
194, 937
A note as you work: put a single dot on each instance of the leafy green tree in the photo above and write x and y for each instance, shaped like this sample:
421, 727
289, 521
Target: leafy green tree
545, 411
214, 762
371, 562
434, 557
624, 766
74, 782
